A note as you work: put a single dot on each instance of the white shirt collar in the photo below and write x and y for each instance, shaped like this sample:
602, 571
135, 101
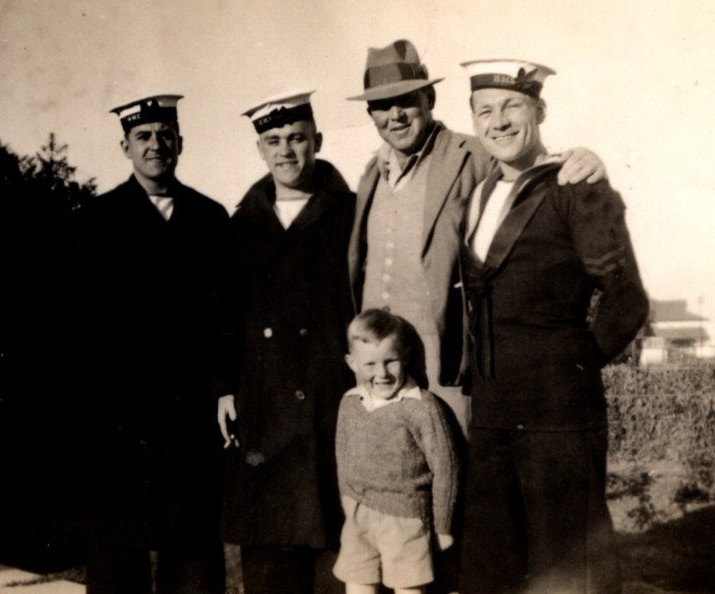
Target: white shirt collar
409, 390
164, 204
389, 166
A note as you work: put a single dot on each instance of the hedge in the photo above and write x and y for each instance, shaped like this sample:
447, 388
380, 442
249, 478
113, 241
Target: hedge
660, 413
656, 415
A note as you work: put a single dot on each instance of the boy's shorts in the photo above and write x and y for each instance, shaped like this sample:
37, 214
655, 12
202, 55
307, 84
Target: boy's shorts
379, 548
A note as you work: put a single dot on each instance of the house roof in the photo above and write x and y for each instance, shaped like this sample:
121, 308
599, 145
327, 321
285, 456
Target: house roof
672, 311
695, 334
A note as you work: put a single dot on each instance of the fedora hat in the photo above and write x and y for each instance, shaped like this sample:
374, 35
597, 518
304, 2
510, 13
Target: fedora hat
392, 71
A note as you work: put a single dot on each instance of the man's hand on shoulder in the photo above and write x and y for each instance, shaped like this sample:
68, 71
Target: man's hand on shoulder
580, 164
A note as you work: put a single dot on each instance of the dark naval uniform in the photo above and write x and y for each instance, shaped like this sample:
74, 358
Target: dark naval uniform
281, 485
535, 500
149, 342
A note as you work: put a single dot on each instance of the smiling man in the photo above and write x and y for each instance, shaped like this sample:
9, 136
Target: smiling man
535, 254
151, 261
289, 274
404, 247
154, 150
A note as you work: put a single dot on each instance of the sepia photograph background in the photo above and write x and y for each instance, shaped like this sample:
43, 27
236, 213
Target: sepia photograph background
634, 84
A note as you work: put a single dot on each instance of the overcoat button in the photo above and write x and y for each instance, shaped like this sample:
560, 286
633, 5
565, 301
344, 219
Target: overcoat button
268, 332
520, 427
255, 458
300, 395
303, 332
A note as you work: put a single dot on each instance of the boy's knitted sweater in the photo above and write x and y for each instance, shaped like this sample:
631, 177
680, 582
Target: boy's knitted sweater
398, 459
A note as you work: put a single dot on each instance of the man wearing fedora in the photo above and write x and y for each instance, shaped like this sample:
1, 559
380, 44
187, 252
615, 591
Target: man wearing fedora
151, 255
534, 256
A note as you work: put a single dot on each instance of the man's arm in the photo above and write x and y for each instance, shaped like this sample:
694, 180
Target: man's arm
597, 216
229, 315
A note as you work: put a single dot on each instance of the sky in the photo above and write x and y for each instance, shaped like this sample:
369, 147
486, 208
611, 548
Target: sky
635, 83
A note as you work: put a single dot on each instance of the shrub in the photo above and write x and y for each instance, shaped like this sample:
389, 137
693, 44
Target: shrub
665, 414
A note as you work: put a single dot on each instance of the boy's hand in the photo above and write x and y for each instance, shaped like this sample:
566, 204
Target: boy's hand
227, 408
444, 541
580, 164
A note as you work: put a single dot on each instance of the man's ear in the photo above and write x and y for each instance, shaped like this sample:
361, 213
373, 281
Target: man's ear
318, 141
540, 111
475, 127
259, 146
431, 97
180, 146
125, 148
350, 360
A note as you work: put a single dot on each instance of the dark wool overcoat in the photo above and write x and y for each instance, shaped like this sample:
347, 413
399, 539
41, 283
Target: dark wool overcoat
149, 332
280, 484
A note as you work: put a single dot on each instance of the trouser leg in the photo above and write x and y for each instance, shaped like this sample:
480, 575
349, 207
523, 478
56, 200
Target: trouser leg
198, 570
493, 559
325, 581
268, 570
571, 545
446, 570
113, 569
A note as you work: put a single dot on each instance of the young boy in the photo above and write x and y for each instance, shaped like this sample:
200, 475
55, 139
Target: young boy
397, 462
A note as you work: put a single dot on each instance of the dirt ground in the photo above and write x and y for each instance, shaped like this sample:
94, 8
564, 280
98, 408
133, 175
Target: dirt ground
674, 552
674, 557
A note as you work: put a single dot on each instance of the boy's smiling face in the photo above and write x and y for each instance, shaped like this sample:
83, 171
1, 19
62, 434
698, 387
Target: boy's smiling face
378, 366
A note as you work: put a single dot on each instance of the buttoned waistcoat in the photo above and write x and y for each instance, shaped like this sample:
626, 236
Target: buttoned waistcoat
458, 164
